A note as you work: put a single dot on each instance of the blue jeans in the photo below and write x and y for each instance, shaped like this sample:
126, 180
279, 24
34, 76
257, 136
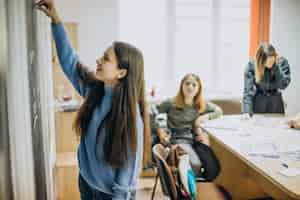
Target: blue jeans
88, 193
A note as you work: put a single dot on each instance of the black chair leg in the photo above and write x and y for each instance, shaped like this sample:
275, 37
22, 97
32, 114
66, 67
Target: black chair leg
154, 188
225, 193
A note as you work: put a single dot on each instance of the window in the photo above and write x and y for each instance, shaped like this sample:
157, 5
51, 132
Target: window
206, 37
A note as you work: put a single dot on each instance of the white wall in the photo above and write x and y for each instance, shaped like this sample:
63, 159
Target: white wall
232, 45
145, 29
97, 25
285, 35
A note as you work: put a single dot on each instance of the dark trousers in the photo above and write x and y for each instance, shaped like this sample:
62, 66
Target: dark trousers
88, 193
268, 103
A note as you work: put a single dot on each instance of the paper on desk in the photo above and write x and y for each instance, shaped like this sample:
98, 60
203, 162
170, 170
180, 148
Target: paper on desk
294, 155
236, 122
291, 151
264, 149
267, 121
290, 172
289, 148
227, 122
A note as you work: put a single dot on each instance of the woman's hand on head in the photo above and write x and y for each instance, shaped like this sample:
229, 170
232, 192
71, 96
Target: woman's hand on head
48, 7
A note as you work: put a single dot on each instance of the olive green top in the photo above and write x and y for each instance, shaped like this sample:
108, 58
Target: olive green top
181, 118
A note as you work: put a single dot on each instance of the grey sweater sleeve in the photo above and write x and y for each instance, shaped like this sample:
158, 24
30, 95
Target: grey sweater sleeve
213, 110
282, 74
163, 107
249, 88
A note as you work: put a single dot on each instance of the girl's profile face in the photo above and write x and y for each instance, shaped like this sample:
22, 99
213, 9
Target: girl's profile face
107, 69
190, 87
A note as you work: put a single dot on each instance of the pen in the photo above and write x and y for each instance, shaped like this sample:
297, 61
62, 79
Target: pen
285, 165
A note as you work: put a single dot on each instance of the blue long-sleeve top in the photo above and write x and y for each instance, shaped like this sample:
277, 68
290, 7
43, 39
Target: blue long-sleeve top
274, 79
93, 168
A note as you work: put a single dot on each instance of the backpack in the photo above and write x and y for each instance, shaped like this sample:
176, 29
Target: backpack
175, 173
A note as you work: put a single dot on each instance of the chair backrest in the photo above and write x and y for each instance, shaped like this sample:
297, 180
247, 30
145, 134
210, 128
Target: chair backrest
229, 106
168, 184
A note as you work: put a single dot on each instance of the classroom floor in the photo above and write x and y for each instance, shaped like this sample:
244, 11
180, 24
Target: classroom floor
144, 190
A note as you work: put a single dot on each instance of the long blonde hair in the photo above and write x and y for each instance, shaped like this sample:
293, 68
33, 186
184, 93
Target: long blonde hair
263, 52
199, 101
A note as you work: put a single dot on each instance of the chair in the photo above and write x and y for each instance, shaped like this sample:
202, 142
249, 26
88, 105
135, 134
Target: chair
164, 172
229, 106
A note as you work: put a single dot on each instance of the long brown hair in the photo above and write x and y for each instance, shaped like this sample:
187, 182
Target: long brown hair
263, 52
121, 122
199, 101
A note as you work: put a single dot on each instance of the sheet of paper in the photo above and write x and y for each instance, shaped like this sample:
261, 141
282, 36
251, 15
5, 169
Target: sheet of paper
290, 172
263, 149
239, 122
262, 136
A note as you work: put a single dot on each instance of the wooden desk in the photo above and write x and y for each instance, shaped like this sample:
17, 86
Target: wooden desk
248, 176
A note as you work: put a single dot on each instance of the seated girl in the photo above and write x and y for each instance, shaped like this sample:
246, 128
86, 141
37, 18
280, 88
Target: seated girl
185, 114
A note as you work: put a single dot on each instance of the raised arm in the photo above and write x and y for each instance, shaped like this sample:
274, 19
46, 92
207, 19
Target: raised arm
282, 74
68, 59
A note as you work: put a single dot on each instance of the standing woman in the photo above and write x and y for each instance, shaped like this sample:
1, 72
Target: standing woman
112, 120
264, 79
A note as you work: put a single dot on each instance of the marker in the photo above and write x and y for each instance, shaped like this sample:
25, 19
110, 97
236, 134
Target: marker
285, 165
